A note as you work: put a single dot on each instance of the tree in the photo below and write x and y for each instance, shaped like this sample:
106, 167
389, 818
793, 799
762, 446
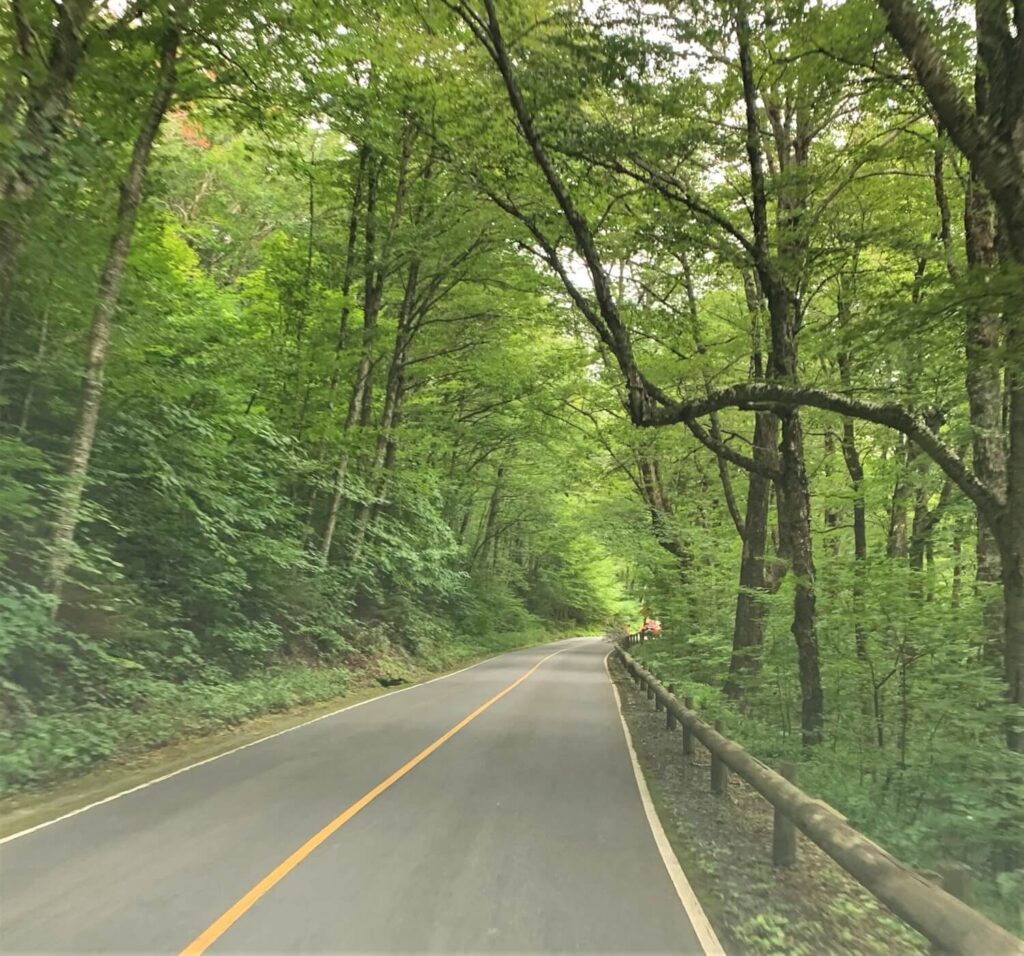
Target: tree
66, 517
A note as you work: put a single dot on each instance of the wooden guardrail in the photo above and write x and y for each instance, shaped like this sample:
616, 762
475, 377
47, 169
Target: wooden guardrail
950, 924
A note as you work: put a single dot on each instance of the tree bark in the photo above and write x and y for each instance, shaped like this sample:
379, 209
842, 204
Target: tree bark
751, 612
796, 511
784, 316
377, 479
855, 469
897, 542
661, 510
372, 293
989, 133
985, 400
346, 310
831, 513
754, 307
69, 503
491, 521
1011, 539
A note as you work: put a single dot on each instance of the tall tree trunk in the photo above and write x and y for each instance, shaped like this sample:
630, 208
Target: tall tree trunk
778, 276
1012, 556
920, 530
796, 511
751, 611
69, 503
377, 478
372, 292
490, 528
958, 564
377, 271
460, 535
831, 513
661, 511
897, 538
754, 307
346, 310
860, 533
870, 697
348, 273
990, 137
855, 469
361, 408
985, 402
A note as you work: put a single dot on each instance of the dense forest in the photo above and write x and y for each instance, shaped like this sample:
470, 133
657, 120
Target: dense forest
339, 332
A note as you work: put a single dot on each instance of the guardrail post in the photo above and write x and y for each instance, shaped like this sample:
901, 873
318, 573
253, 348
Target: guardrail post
670, 720
955, 879
719, 771
935, 912
650, 690
687, 733
783, 831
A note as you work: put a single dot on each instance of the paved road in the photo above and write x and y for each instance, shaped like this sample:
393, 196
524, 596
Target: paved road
522, 832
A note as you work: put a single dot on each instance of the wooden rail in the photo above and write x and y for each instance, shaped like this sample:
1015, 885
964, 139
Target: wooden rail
948, 922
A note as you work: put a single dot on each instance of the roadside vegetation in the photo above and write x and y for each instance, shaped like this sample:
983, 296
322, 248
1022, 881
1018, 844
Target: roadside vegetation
339, 334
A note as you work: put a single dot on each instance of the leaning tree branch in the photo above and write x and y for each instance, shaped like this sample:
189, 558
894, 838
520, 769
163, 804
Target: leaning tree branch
758, 396
723, 451
609, 324
999, 167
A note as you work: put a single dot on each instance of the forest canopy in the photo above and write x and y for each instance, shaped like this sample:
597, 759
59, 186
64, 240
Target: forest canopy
334, 332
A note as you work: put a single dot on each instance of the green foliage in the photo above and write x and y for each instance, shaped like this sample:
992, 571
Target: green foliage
47, 747
355, 409
766, 933
197, 594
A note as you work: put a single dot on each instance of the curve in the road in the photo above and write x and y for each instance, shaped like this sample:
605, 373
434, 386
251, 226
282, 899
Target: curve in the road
522, 833
226, 920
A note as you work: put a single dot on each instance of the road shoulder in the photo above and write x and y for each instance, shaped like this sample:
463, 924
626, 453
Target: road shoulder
724, 846
687, 897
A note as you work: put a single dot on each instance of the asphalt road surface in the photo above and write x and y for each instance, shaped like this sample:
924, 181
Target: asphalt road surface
494, 810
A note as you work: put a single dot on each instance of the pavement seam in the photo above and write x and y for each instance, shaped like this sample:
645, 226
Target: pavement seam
702, 927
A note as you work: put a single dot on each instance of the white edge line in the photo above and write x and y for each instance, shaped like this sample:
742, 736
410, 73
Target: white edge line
235, 750
702, 927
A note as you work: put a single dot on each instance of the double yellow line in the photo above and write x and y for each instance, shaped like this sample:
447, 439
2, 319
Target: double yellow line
226, 920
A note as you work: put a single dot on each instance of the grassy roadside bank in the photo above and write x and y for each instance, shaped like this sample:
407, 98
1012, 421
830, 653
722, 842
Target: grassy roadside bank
172, 734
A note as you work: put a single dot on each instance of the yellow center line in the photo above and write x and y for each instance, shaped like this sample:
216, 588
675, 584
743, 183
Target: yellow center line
227, 919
